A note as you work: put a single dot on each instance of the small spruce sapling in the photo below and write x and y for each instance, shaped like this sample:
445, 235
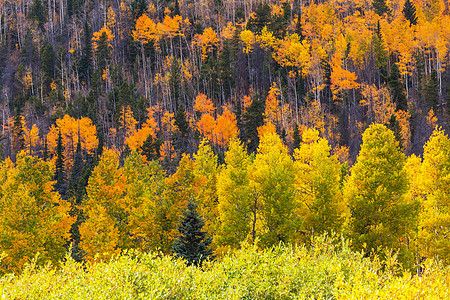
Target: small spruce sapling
192, 243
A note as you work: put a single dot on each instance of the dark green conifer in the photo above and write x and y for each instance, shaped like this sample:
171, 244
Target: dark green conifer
76, 170
380, 7
37, 13
18, 139
396, 88
192, 243
297, 138
431, 89
176, 9
251, 120
48, 59
262, 18
138, 8
28, 48
409, 11
394, 125
181, 121
59, 167
85, 67
151, 148
45, 152
103, 52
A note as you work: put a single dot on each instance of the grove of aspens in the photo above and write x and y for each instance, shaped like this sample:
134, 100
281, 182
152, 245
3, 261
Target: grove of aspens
225, 149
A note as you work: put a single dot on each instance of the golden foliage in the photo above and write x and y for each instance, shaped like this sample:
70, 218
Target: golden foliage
203, 104
71, 130
104, 30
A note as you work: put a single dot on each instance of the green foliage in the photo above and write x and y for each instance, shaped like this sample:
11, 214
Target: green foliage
59, 166
380, 7
327, 270
251, 120
297, 138
262, 18
181, 121
37, 13
236, 204
18, 140
396, 88
430, 91
48, 59
151, 148
381, 216
409, 11
435, 207
394, 125
192, 244
85, 65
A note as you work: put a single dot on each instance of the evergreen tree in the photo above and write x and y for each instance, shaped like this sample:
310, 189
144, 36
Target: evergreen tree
380, 7
297, 138
396, 88
409, 11
251, 120
85, 66
176, 9
151, 148
262, 18
226, 65
181, 121
138, 8
59, 165
45, 151
192, 243
103, 52
76, 191
48, 59
37, 13
76, 170
431, 91
394, 125
72, 7
18, 140
298, 27
28, 48
380, 54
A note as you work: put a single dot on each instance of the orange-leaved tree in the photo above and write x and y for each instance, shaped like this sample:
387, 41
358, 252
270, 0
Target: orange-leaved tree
71, 130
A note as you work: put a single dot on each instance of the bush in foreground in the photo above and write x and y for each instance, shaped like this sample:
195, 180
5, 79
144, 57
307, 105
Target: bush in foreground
328, 270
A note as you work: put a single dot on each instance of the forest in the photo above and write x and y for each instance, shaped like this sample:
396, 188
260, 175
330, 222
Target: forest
281, 120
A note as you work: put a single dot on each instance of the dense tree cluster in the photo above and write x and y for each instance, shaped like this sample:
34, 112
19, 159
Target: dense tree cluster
260, 112
386, 201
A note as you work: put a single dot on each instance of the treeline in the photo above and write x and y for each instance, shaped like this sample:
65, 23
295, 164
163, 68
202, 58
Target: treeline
337, 66
385, 201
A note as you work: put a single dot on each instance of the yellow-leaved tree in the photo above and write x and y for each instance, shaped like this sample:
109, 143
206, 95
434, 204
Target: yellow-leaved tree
319, 201
236, 204
381, 214
153, 213
272, 180
103, 209
434, 221
34, 220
